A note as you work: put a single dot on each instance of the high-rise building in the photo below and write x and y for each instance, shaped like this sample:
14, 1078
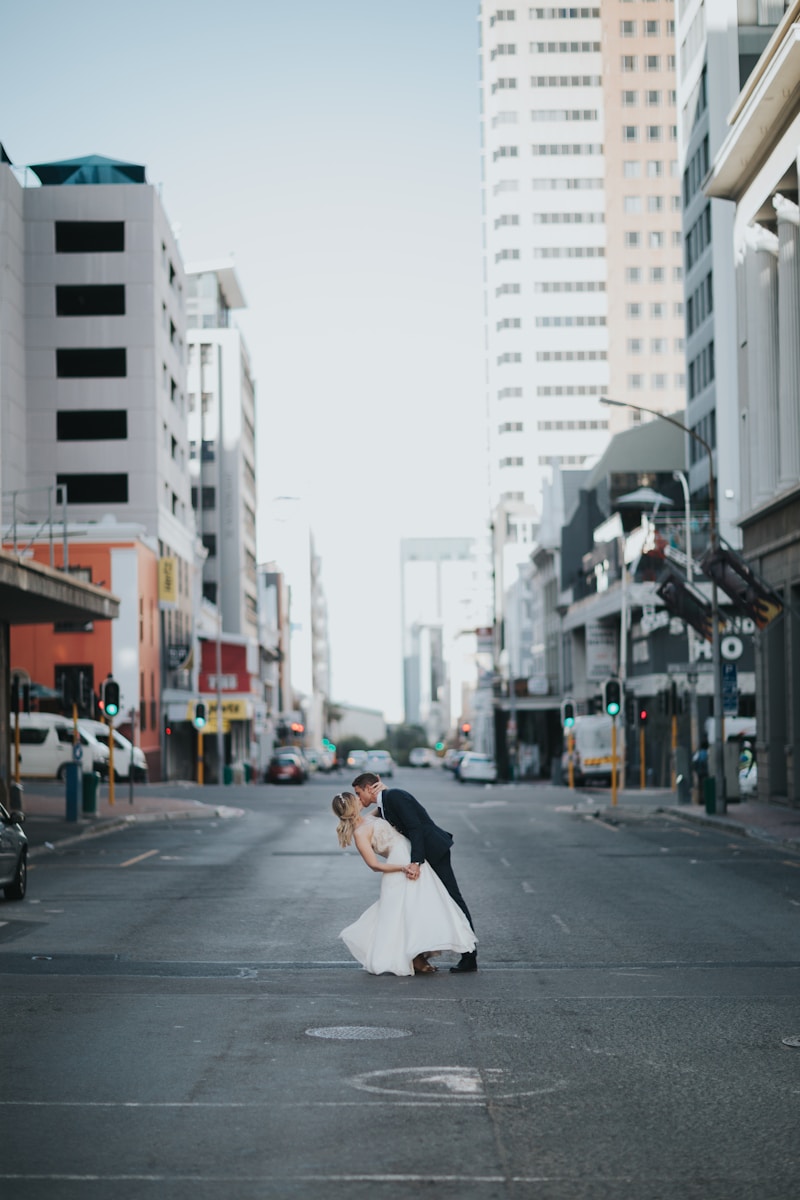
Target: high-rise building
581, 199
718, 45
92, 367
222, 444
441, 612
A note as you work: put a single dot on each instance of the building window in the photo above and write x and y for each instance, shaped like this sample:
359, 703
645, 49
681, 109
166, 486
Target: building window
632, 169
655, 240
95, 489
652, 62
90, 237
210, 543
630, 99
658, 345
632, 239
655, 204
655, 169
634, 345
633, 311
652, 28
630, 133
91, 364
91, 425
632, 204
654, 133
90, 300
653, 99
627, 29
630, 64
633, 274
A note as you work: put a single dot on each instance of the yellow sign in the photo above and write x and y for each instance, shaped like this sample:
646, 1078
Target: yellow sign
167, 581
232, 710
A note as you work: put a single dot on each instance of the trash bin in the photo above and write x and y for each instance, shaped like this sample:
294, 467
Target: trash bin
710, 794
91, 782
227, 774
72, 775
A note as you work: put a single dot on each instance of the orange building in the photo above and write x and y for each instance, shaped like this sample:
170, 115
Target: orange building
78, 658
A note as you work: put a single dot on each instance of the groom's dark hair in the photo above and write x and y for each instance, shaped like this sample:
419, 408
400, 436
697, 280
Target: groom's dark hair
365, 780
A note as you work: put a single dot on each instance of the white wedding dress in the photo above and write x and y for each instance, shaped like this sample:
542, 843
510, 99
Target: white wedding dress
409, 917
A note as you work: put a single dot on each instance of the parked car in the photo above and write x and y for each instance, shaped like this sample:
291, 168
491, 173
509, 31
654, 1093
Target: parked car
46, 747
312, 759
451, 759
381, 762
13, 855
286, 766
356, 760
421, 756
476, 768
123, 750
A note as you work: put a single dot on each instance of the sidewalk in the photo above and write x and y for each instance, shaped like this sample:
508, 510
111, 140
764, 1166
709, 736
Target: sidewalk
769, 822
46, 822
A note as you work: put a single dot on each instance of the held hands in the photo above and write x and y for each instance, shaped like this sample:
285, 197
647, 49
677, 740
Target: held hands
411, 871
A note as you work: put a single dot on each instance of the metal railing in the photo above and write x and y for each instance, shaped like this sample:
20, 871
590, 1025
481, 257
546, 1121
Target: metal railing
24, 524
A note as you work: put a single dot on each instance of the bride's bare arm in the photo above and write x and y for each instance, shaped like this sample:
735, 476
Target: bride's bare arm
364, 846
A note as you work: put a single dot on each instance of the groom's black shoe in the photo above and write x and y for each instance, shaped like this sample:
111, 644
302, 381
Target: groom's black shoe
467, 962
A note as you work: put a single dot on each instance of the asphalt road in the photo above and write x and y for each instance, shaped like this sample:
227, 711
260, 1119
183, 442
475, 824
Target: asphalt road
180, 1019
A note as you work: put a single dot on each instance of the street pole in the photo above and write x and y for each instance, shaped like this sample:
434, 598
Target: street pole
719, 770
694, 740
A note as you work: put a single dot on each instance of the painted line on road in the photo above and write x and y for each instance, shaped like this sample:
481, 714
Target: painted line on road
139, 858
605, 824
561, 924
505, 862
528, 887
469, 824
787, 862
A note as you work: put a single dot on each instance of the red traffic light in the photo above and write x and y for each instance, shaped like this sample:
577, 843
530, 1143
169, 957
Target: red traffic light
642, 716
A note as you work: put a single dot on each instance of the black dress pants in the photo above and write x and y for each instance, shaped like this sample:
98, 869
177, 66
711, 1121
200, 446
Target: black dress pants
444, 870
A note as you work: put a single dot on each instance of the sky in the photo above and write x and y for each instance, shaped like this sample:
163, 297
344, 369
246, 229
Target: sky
331, 147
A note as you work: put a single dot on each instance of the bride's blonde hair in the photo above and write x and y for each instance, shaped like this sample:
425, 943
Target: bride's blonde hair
347, 808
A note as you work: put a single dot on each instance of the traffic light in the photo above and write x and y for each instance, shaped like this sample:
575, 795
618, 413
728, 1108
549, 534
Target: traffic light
643, 715
439, 747
199, 714
568, 714
684, 601
612, 697
110, 697
750, 595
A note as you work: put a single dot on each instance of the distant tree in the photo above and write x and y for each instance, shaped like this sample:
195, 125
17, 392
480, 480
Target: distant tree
400, 739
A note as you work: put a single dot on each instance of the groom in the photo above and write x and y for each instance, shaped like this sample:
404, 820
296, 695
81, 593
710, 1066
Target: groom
429, 843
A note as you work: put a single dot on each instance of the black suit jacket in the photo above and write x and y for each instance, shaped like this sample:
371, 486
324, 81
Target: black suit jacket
428, 842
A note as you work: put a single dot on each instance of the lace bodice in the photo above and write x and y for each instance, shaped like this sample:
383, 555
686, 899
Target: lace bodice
384, 837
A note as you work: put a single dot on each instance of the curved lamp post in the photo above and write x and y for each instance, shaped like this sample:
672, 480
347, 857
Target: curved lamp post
719, 771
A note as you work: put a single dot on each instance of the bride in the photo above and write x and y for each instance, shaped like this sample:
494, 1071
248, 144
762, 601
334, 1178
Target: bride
412, 919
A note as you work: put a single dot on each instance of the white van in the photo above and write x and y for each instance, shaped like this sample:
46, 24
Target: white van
591, 762
45, 747
124, 750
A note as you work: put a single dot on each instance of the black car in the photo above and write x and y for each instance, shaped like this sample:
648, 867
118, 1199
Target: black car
13, 855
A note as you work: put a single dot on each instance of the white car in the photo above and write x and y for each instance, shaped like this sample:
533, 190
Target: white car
123, 751
380, 762
476, 768
357, 760
421, 756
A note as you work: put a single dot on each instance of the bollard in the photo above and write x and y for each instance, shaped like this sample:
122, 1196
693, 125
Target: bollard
73, 775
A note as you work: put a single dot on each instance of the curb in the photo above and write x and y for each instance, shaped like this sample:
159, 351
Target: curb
114, 824
730, 826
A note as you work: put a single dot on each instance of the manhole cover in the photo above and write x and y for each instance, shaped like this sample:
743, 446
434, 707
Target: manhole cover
794, 1042
357, 1033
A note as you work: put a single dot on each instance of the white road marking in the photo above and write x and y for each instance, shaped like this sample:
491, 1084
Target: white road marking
561, 924
528, 887
139, 857
505, 862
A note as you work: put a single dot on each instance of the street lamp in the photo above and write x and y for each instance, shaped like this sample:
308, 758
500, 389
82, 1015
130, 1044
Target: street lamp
719, 773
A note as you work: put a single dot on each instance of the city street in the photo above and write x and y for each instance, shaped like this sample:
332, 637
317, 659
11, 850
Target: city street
182, 1021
